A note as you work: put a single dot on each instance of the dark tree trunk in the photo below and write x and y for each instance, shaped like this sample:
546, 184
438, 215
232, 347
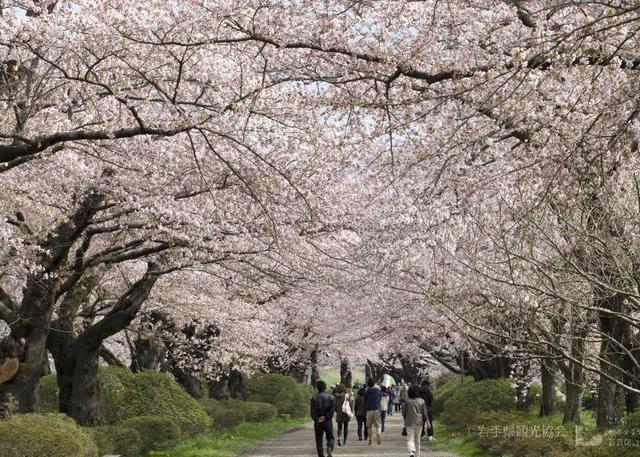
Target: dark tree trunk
374, 371
77, 374
148, 353
615, 332
219, 389
573, 401
29, 343
195, 385
315, 374
346, 377
548, 400
496, 367
76, 357
238, 385
32, 319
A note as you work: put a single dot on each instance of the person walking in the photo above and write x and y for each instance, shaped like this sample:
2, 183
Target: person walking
415, 417
343, 413
384, 405
390, 405
361, 414
372, 397
395, 398
425, 393
404, 394
323, 406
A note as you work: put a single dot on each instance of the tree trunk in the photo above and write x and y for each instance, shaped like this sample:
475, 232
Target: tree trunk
615, 332
346, 377
219, 389
573, 402
148, 352
29, 343
315, 374
238, 386
196, 386
548, 400
76, 357
77, 375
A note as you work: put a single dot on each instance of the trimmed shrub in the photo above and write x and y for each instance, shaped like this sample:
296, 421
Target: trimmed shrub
157, 433
222, 415
281, 391
126, 395
49, 394
44, 435
254, 411
476, 398
114, 439
443, 392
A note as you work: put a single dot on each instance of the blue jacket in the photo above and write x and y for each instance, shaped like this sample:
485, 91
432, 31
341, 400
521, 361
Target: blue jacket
372, 397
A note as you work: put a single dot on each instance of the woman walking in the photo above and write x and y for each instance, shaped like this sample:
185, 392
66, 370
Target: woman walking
343, 395
384, 405
416, 418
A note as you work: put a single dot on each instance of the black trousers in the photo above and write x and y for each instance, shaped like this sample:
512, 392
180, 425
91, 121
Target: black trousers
430, 429
323, 428
396, 407
362, 424
343, 429
383, 416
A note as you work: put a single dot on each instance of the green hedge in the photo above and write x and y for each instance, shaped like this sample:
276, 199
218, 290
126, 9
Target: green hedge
157, 433
149, 393
443, 392
253, 411
222, 416
283, 392
44, 435
476, 398
49, 394
115, 439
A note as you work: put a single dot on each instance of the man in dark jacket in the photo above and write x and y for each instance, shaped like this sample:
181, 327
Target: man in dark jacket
323, 405
372, 397
425, 393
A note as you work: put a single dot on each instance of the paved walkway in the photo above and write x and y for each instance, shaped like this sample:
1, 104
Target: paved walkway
300, 443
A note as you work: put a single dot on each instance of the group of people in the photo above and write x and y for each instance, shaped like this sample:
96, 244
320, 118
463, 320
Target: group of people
370, 407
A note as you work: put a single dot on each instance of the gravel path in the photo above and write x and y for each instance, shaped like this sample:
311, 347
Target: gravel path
300, 443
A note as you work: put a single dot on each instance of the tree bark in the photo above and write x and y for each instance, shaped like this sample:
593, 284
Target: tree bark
238, 386
548, 401
77, 356
346, 377
615, 332
77, 375
219, 389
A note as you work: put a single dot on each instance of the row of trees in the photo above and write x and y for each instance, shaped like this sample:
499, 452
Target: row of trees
446, 178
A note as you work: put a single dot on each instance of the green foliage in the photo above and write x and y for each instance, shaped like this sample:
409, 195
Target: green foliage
44, 435
228, 442
115, 439
126, 395
476, 398
156, 432
49, 394
253, 411
223, 415
534, 395
444, 391
283, 392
